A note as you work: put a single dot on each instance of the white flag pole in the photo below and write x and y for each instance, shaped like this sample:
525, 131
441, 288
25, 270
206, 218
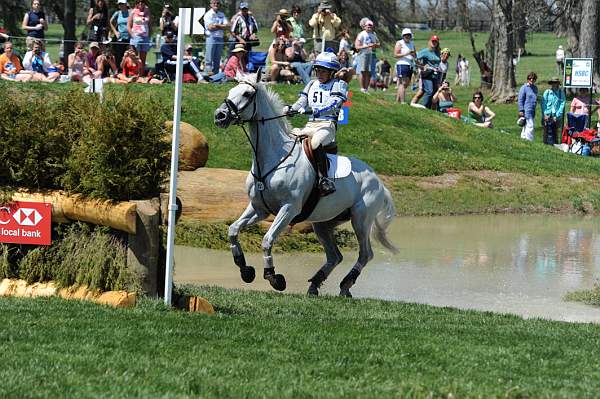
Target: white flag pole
174, 160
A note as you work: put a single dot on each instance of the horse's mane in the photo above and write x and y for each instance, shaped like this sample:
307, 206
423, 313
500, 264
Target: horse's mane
267, 98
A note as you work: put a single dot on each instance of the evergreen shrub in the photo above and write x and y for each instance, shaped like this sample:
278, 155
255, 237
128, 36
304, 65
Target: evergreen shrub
71, 140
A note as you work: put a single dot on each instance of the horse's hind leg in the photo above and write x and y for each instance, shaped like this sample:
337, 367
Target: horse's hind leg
249, 217
361, 223
325, 233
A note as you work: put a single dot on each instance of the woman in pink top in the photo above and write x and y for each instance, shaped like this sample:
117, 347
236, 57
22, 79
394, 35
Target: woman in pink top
579, 105
138, 26
237, 62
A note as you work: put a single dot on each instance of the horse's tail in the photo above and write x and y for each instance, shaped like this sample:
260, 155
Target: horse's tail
382, 221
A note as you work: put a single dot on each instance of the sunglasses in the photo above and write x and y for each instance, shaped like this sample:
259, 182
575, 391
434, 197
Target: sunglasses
477, 98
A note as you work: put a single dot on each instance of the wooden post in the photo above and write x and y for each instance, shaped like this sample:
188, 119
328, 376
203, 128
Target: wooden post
143, 247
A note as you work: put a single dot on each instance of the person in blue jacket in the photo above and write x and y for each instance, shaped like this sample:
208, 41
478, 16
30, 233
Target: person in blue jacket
527, 103
553, 107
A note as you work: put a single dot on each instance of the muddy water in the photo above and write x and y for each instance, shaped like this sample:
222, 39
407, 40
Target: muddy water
511, 264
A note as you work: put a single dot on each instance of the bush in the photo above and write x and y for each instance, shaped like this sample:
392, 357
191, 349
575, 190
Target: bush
80, 254
70, 140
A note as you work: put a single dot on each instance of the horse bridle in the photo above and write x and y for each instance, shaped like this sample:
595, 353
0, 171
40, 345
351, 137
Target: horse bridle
237, 114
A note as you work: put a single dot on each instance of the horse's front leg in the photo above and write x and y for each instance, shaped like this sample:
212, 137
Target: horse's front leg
282, 220
249, 217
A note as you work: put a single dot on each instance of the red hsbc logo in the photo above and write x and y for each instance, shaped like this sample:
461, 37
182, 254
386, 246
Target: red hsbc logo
26, 223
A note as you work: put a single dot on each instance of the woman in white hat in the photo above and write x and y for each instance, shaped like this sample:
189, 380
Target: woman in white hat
405, 52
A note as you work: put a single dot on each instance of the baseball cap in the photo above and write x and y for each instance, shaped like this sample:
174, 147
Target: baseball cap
243, 5
434, 38
121, 1
94, 44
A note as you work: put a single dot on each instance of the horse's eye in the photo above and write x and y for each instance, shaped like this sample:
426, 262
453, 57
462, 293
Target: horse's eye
247, 94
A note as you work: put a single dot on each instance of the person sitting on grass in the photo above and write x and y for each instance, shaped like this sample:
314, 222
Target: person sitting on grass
10, 66
78, 64
131, 67
278, 60
480, 114
37, 61
444, 98
107, 66
298, 59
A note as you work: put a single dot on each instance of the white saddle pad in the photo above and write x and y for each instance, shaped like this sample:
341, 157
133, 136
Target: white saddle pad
339, 166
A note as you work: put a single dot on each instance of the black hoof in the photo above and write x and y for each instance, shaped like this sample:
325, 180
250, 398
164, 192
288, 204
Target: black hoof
345, 293
313, 290
278, 282
248, 274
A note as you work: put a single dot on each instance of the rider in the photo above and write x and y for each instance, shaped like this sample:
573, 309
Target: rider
323, 96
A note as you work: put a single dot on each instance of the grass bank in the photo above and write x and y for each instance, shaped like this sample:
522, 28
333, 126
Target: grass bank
289, 346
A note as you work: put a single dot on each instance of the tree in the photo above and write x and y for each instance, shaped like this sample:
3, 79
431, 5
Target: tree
502, 45
519, 16
462, 15
11, 12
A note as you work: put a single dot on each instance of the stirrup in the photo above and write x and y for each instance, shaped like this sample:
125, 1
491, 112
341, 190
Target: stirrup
326, 186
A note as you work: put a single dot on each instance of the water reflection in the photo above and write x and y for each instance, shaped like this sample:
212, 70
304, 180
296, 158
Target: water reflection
508, 263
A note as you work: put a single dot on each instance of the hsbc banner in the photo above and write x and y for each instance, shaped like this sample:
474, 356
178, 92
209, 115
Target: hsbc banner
26, 223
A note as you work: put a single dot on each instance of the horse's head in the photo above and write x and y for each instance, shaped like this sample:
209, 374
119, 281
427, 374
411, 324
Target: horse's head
239, 106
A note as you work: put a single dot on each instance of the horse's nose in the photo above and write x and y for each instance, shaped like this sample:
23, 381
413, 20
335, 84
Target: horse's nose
221, 116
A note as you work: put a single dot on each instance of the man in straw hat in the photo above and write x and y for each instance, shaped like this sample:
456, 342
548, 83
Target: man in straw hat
324, 23
553, 107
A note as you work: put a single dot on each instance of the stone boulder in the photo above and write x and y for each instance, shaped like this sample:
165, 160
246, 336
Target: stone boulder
193, 147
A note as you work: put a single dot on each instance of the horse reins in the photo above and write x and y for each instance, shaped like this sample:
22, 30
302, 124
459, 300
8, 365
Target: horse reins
260, 178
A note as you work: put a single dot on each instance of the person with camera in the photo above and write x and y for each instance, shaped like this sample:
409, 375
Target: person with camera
298, 59
97, 21
130, 69
79, 70
38, 63
281, 27
444, 98
244, 28
34, 21
527, 102
10, 66
428, 61
324, 23
168, 22
107, 65
118, 25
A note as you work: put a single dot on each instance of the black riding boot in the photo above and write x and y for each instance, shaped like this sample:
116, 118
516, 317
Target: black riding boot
326, 185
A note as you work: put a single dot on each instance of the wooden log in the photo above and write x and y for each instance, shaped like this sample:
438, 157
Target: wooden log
143, 248
65, 208
193, 147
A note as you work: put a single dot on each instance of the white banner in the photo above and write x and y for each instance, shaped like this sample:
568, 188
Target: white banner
579, 72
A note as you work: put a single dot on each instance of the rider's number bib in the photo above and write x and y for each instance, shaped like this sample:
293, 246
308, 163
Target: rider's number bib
318, 95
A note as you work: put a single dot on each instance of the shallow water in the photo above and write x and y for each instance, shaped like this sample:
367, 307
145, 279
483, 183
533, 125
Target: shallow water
503, 263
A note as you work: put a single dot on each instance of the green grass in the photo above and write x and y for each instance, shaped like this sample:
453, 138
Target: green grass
289, 346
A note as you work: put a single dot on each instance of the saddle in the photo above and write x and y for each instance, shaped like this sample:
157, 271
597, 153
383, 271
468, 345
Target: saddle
313, 199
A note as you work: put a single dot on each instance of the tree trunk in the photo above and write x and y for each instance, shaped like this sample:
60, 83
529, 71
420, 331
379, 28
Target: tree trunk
445, 8
503, 83
519, 15
588, 37
462, 16
68, 23
413, 9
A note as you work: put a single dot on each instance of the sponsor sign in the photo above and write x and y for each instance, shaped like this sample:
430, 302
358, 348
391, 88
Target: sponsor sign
26, 223
343, 116
578, 72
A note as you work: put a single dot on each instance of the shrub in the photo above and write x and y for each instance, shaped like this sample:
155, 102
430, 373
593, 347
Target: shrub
70, 140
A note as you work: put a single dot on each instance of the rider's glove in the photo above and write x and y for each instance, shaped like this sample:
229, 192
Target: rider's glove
316, 113
302, 111
286, 109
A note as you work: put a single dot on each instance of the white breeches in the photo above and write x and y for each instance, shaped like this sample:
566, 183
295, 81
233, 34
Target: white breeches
320, 132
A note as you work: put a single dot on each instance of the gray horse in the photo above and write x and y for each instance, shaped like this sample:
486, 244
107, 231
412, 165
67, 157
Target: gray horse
281, 180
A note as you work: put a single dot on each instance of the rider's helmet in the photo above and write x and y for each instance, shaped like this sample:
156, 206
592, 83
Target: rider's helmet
327, 60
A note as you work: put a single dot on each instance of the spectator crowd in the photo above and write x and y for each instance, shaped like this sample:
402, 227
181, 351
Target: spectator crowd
118, 43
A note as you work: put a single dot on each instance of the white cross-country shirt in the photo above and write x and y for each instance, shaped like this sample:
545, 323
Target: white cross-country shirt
325, 99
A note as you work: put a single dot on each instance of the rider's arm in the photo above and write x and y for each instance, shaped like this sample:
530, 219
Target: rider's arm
339, 94
302, 101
